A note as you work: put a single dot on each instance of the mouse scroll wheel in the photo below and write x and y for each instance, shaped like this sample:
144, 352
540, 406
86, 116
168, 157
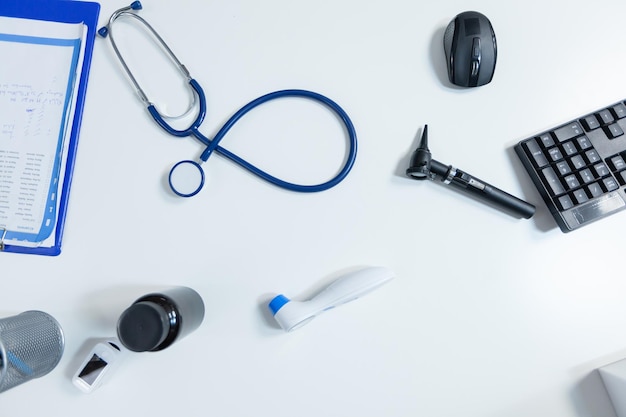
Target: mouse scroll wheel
476, 56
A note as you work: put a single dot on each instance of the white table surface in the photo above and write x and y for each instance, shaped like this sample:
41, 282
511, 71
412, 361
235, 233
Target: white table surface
488, 316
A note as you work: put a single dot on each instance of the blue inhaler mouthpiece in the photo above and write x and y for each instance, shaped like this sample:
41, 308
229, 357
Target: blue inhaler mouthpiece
136, 5
277, 303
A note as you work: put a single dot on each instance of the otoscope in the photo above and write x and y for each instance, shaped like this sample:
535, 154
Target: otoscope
423, 166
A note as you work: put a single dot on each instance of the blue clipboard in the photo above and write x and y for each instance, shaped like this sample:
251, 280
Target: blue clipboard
65, 11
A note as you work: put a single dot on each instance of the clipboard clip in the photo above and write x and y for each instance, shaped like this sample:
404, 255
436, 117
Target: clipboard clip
4, 233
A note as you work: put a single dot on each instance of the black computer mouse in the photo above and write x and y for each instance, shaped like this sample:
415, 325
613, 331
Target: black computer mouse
469, 43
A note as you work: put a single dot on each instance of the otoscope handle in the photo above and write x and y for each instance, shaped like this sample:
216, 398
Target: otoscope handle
472, 185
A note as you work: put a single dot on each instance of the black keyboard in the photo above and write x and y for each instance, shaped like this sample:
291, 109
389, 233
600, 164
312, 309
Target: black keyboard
579, 167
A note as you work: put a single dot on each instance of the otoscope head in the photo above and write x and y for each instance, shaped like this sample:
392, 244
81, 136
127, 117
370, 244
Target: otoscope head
419, 167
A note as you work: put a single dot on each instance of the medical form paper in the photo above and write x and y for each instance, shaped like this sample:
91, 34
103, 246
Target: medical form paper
39, 76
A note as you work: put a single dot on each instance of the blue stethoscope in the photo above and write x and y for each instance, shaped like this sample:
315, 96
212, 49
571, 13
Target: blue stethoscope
186, 178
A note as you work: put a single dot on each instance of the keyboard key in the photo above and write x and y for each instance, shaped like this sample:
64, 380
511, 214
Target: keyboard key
537, 155
590, 122
610, 184
601, 169
546, 140
584, 142
613, 131
578, 162
565, 202
571, 181
569, 148
580, 196
570, 131
555, 154
592, 156
563, 168
621, 177
617, 163
595, 190
586, 176
605, 117
619, 111
553, 181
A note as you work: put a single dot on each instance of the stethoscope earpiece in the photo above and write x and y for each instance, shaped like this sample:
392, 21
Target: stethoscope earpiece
186, 178
104, 30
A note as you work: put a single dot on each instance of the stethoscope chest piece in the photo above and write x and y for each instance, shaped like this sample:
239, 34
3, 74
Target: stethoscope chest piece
186, 178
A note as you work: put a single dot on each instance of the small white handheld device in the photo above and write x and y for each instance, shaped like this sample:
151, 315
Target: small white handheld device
290, 315
100, 362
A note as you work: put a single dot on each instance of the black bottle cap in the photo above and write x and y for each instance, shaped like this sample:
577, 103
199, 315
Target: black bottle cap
143, 326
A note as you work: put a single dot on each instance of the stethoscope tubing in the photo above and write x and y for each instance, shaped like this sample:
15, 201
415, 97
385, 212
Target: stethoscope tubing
212, 145
350, 159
